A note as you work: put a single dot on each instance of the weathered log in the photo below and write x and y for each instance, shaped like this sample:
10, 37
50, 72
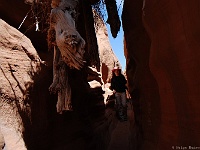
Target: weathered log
68, 49
60, 83
68, 40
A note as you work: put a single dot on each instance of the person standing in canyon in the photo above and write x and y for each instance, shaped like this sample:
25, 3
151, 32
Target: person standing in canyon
118, 85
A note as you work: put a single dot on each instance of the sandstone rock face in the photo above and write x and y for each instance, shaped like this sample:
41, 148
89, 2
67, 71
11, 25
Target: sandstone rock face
2, 141
46, 129
107, 57
165, 67
19, 63
28, 117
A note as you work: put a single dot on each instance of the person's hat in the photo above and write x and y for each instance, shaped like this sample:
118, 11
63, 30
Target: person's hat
116, 68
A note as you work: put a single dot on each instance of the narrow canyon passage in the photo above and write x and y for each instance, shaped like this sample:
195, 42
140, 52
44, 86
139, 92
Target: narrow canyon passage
161, 42
123, 134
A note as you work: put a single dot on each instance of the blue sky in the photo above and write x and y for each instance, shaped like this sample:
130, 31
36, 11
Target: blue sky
117, 43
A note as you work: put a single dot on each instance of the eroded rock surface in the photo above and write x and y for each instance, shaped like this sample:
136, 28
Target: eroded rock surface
46, 129
19, 63
108, 58
162, 50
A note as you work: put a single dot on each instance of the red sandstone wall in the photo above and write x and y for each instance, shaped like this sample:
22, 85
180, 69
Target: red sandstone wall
172, 55
79, 129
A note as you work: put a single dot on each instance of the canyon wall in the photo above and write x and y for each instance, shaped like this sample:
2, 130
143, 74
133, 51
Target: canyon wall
40, 127
108, 58
162, 49
19, 66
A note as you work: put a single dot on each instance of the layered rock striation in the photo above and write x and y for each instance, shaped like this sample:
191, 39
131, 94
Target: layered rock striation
19, 64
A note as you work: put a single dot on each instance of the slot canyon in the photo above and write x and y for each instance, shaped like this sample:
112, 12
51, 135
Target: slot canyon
56, 64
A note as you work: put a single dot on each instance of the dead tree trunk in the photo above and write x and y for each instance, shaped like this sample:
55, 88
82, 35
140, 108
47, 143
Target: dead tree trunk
68, 49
